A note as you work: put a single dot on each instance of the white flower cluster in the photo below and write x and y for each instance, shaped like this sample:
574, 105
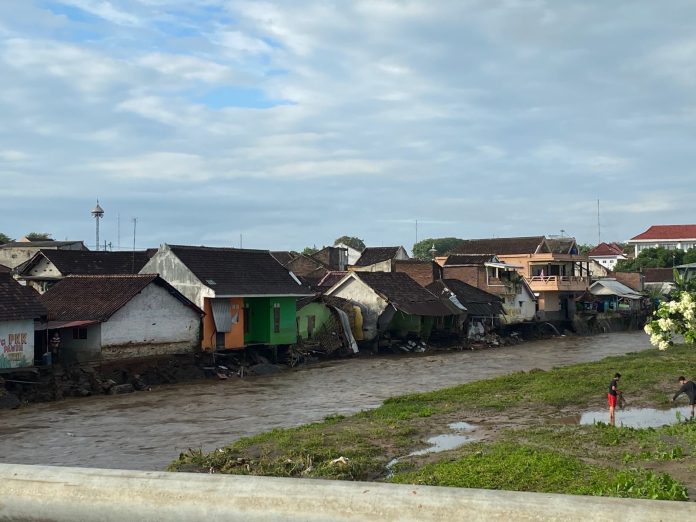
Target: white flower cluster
674, 317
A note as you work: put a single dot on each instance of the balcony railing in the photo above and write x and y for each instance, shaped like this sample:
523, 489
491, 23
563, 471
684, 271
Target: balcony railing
558, 282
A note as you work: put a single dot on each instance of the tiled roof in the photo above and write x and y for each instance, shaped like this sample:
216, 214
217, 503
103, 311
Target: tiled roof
658, 275
404, 293
39, 244
373, 255
93, 298
468, 259
561, 245
606, 249
500, 245
18, 302
330, 279
98, 297
89, 262
667, 232
476, 301
284, 256
239, 272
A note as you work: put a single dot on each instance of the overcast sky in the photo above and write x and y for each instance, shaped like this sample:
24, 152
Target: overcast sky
296, 122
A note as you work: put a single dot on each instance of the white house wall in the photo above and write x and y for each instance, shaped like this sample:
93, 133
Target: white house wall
372, 305
154, 322
519, 308
17, 343
171, 269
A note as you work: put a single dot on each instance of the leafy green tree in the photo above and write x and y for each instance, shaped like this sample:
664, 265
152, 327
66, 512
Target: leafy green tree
353, 242
585, 248
443, 245
38, 236
308, 251
4, 238
656, 258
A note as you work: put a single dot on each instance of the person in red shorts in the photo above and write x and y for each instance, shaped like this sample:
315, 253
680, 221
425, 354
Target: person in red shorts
613, 397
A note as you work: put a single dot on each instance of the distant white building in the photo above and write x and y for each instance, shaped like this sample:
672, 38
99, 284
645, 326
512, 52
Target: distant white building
607, 255
672, 237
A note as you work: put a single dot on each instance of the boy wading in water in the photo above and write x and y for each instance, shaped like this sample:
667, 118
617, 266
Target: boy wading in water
689, 388
613, 396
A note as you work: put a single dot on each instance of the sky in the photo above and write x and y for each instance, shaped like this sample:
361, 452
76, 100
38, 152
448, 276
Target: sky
289, 124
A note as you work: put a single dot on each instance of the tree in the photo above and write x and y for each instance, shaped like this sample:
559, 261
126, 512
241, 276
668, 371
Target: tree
308, 251
38, 236
675, 317
353, 242
443, 245
4, 238
585, 248
656, 258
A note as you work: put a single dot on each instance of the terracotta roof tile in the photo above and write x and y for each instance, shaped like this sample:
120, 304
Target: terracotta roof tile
17, 301
668, 232
240, 272
90, 297
500, 245
606, 249
404, 293
89, 262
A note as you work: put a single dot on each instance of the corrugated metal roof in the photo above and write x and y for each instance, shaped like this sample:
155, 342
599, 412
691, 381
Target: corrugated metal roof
613, 287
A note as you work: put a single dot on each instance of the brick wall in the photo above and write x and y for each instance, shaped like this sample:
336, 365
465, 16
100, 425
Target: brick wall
423, 273
632, 280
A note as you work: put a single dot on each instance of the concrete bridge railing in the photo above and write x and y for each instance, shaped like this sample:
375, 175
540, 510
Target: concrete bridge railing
59, 494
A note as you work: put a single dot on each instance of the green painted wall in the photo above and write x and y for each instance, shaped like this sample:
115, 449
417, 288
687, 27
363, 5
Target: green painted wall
320, 311
261, 320
402, 324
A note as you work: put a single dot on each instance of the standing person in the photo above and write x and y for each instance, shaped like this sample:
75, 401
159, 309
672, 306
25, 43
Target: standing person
689, 388
612, 397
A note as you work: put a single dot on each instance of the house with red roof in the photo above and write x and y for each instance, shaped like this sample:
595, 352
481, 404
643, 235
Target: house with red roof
607, 254
672, 237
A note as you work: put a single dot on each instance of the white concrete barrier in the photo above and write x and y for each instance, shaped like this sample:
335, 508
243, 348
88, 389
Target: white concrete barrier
46, 493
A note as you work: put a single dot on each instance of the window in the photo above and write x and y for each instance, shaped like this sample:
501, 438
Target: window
220, 339
311, 321
247, 315
79, 333
276, 317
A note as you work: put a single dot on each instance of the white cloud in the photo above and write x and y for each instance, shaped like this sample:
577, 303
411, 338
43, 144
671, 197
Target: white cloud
105, 10
187, 67
82, 69
169, 167
12, 155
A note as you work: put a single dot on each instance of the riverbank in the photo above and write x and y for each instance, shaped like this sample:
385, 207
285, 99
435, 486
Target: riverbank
146, 430
522, 439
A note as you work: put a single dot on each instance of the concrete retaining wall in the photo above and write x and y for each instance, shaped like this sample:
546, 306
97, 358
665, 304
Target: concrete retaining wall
49, 493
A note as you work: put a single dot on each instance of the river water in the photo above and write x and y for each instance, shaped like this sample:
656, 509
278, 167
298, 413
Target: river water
147, 430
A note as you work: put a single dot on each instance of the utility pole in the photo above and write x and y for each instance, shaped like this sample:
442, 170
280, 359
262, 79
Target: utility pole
599, 229
135, 222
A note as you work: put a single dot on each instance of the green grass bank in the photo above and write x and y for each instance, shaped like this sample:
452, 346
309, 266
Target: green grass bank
523, 444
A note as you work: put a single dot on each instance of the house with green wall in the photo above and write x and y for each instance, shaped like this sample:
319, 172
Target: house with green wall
393, 303
328, 323
248, 297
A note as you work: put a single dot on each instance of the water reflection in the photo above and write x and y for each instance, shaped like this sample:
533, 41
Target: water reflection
638, 417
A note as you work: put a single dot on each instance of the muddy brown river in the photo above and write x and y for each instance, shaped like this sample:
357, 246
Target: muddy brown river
147, 430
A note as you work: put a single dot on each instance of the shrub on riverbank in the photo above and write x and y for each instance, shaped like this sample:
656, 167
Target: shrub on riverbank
360, 446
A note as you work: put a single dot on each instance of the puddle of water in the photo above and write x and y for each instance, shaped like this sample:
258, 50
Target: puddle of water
447, 441
443, 442
638, 417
